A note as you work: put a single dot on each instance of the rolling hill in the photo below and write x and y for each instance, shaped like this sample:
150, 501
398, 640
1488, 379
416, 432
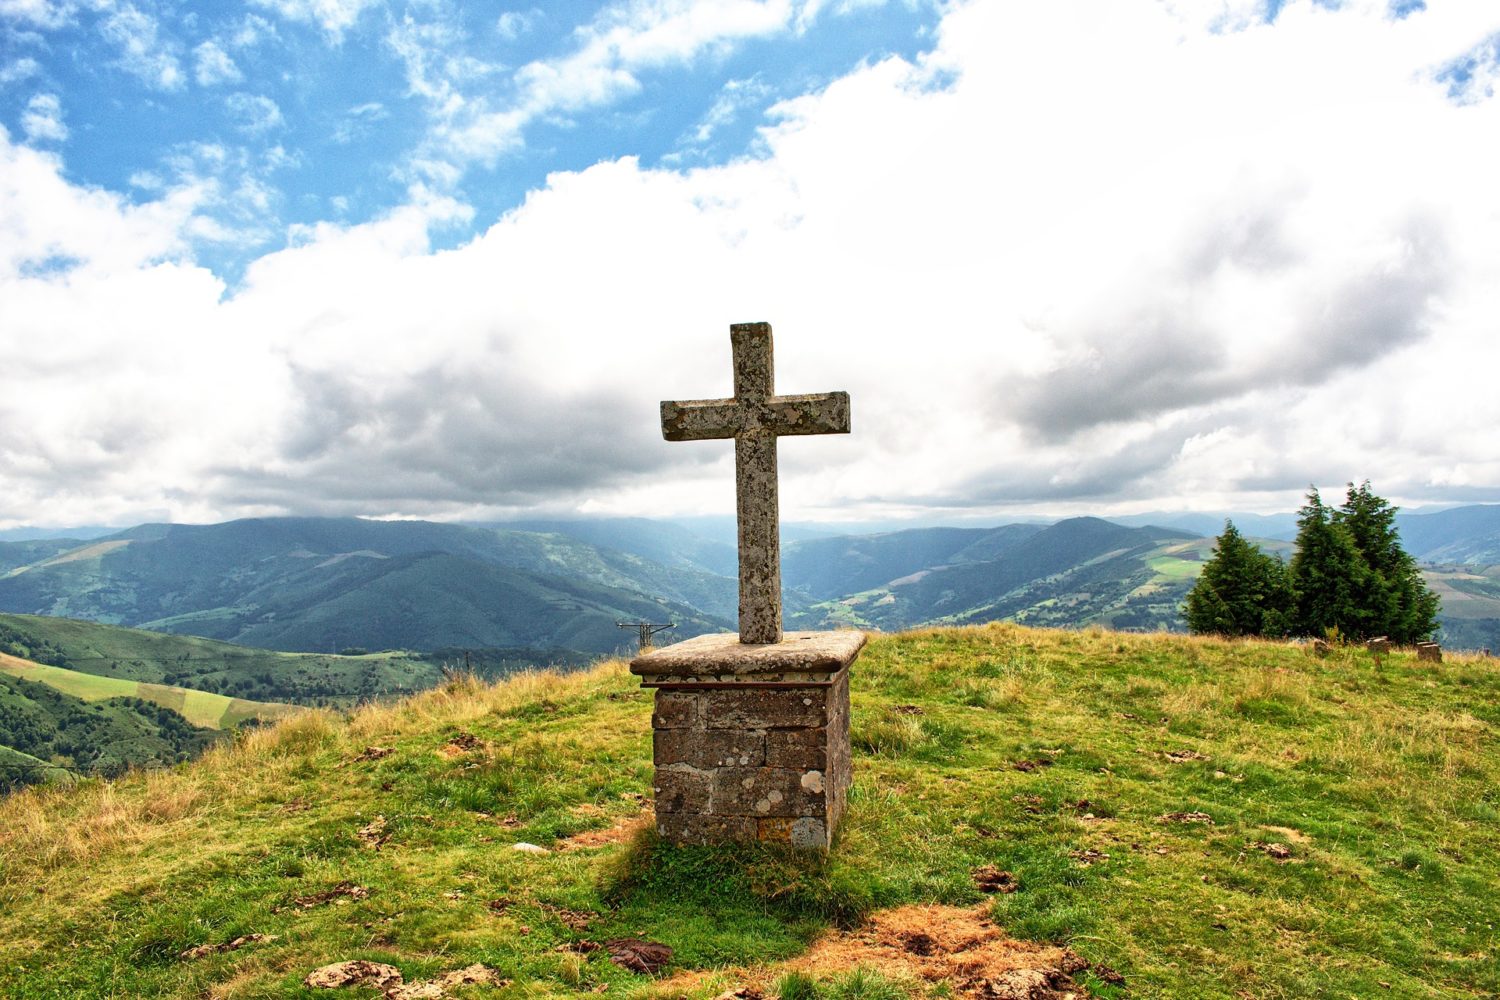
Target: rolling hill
44, 730
322, 584
1077, 572
220, 668
202, 709
1464, 535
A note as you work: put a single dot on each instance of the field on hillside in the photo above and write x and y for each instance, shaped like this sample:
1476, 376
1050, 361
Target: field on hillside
1189, 817
222, 668
201, 708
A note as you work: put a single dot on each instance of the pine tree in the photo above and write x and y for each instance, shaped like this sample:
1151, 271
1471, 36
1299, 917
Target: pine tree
1329, 575
1241, 591
1405, 609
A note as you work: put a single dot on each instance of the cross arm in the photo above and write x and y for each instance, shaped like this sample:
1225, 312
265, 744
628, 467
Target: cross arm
698, 419
812, 413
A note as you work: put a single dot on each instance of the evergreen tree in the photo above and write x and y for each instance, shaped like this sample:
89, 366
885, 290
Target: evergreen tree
1329, 575
1405, 609
1241, 591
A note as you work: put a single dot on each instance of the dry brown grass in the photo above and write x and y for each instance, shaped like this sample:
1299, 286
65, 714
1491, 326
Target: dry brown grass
917, 946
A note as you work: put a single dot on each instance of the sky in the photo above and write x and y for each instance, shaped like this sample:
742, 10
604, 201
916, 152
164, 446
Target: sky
443, 260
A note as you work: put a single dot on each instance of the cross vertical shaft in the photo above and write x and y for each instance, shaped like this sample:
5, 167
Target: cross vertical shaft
754, 418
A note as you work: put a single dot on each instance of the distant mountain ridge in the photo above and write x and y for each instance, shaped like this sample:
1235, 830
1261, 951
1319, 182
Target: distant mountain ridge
326, 584
1078, 571
319, 584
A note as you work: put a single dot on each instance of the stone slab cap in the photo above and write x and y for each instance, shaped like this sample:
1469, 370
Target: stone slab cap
808, 657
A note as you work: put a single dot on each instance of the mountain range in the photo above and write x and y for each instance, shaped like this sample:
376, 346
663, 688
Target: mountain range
327, 585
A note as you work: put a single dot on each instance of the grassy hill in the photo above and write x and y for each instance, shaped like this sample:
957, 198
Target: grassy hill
200, 708
1077, 572
45, 730
1186, 817
217, 667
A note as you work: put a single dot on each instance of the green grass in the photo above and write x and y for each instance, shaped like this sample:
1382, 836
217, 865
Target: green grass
1382, 781
201, 708
242, 672
1175, 568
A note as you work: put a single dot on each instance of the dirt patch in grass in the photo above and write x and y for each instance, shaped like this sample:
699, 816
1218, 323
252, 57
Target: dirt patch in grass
958, 946
1295, 836
460, 745
623, 830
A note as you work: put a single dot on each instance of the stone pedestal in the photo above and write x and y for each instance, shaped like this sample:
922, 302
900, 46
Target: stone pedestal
751, 742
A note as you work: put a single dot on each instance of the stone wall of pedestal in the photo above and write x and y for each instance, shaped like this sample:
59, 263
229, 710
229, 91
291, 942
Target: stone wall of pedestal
751, 743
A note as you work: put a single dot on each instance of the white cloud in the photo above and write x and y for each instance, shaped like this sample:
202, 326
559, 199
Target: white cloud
143, 52
513, 24
254, 113
359, 121
213, 65
43, 119
1087, 254
736, 96
21, 69
39, 13
251, 30
49, 221
333, 16
480, 123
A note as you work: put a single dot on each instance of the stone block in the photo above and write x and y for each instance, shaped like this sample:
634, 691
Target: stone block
803, 832
1430, 651
709, 747
804, 749
751, 708
682, 790
687, 828
752, 742
768, 791
675, 710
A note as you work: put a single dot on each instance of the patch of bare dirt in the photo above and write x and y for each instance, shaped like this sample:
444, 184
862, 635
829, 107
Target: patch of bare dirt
988, 878
1088, 857
623, 830
741, 993
1182, 756
1032, 764
435, 989
355, 973
577, 920
646, 957
1293, 835
235, 945
373, 834
389, 981
1029, 803
375, 753
908, 710
461, 744
1186, 817
1280, 853
342, 893
934, 944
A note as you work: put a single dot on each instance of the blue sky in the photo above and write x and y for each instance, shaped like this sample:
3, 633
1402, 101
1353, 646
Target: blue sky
300, 112
443, 260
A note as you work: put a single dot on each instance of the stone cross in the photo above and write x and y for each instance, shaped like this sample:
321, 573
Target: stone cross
754, 418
